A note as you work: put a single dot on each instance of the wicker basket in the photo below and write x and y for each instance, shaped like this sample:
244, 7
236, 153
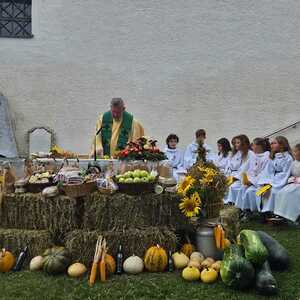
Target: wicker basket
37, 187
79, 190
213, 208
136, 188
106, 191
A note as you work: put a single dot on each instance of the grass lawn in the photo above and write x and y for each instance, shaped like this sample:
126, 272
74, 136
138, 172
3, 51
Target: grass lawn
28, 285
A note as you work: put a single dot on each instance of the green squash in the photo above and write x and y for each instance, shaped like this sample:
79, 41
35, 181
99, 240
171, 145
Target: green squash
235, 270
255, 251
56, 260
265, 282
278, 256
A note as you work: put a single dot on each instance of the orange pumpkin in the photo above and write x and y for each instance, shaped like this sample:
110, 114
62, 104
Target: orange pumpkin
110, 264
156, 259
7, 261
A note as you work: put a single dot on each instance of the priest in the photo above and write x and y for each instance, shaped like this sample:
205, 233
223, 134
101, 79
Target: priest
116, 128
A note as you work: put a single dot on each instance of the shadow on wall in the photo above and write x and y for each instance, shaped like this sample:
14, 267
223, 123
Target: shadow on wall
8, 147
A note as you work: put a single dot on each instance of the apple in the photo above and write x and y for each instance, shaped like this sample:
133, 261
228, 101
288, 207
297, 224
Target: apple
137, 180
136, 173
128, 174
128, 180
144, 179
151, 178
122, 179
144, 173
118, 176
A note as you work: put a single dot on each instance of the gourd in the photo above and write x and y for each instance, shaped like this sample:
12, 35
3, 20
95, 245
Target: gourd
197, 256
180, 260
7, 261
191, 273
188, 248
36, 263
77, 270
110, 264
156, 259
255, 251
133, 265
236, 271
207, 263
56, 260
194, 263
278, 256
209, 275
217, 265
265, 282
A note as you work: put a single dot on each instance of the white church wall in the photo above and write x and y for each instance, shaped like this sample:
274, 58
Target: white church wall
228, 66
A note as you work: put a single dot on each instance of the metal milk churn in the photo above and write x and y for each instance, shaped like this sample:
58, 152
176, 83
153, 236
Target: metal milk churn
206, 244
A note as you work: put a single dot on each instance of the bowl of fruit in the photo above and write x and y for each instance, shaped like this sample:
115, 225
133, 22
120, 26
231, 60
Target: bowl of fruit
136, 182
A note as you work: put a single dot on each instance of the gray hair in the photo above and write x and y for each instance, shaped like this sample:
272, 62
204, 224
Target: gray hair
117, 102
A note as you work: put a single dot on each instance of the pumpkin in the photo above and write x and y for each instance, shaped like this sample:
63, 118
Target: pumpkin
188, 249
56, 260
194, 263
110, 264
77, 270
133, 265
209, 275
197, 256
36, 263
7, 261
156, 259
191, 273
180, 260
216, 265
207, 263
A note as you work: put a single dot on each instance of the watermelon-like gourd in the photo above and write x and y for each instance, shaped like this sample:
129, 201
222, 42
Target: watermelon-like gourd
56, 260
255, 251
236, 271
278, 256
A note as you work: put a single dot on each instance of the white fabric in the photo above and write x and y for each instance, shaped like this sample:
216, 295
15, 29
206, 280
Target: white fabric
235, 168
287, 201
276, 173
221, 161
175, 158
253, 169
190, 155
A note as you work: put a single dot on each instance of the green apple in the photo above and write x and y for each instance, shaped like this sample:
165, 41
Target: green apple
121, 179
118, 176
136, 173
151, 178
144, 173
128, 180
137, 180
144, 179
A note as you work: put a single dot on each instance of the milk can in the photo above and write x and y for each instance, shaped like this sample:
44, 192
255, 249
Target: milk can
206, 244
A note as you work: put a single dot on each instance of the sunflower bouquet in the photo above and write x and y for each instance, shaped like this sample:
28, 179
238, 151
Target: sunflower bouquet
203, 189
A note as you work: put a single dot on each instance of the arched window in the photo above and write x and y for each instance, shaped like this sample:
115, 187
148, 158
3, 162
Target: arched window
15, 18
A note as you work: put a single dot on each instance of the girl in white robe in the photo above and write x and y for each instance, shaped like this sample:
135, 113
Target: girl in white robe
287, 202
245, 154
276, 174
256, 165
174, 155
191, 153
221, 160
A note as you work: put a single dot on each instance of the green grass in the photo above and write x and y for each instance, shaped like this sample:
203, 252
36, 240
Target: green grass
28, 285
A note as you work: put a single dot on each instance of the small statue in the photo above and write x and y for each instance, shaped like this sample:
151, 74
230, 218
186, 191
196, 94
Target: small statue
9, 179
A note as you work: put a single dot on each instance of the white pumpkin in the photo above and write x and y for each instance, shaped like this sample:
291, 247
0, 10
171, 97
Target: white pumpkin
197, 256
180, 260
36, 263
77, 270
133, 265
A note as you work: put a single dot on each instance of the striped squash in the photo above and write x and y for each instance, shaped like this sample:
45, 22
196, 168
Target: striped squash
156, 259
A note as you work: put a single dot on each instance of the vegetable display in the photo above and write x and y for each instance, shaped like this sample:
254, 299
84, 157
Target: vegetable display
278, 257
255, 251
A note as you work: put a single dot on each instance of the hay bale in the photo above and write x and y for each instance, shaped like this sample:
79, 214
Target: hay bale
16, 239
121, 211
32, 211
82, 243
230, 219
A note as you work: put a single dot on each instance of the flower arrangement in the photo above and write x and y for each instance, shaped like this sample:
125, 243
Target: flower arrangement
203, 189
143, 149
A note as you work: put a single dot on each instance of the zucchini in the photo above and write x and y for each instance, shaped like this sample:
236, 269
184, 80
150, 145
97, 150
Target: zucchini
265, 283
255, 251
235, 270
278, 256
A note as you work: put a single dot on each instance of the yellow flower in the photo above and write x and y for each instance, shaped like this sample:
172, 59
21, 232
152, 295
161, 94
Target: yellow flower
185, 185
190, 206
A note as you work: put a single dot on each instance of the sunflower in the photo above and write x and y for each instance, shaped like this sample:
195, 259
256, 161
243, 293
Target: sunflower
190, 206
185, 185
